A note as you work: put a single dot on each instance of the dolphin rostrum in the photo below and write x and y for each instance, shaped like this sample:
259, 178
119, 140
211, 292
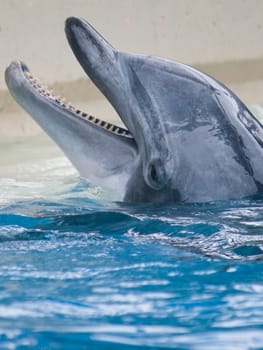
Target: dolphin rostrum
188, 137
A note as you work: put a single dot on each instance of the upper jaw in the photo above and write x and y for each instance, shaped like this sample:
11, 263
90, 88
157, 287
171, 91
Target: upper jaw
99, 60
106, 67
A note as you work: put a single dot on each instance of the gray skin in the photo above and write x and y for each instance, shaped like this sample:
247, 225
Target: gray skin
193, 139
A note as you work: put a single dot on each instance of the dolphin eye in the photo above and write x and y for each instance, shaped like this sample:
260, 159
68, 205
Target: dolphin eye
156, 176
153, 173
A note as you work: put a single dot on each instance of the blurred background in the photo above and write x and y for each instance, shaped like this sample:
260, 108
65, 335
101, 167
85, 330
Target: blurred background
222, 38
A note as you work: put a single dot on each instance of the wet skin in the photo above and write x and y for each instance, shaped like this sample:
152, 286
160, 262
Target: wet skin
188, 137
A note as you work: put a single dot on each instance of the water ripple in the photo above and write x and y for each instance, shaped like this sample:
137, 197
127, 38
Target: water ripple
85, 273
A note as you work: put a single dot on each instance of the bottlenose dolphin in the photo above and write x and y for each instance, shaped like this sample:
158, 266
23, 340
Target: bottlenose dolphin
188, 137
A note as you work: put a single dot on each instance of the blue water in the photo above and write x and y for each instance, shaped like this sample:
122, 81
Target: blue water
83, 272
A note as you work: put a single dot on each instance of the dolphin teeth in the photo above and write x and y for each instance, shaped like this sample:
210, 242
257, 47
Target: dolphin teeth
49, 93
101, 123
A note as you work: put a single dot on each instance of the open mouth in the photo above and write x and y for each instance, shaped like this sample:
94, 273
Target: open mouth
100, 150
61, 102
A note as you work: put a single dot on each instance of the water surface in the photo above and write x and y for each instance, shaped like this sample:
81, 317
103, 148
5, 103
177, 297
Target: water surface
80, 270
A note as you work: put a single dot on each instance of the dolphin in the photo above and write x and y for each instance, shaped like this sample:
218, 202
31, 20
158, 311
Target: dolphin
187, 137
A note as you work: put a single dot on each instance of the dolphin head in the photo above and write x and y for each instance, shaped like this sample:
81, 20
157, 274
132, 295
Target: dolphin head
176, 118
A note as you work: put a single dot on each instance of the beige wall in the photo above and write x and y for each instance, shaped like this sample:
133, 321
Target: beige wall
193, 31
223, 37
